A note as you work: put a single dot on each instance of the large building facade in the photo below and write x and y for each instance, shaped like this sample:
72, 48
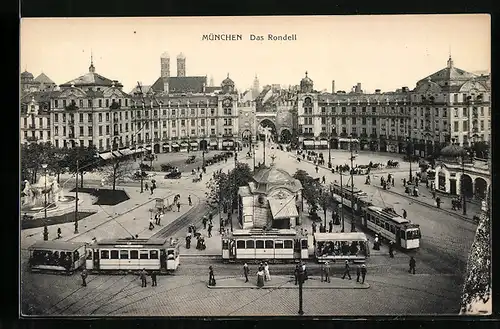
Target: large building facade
449, 106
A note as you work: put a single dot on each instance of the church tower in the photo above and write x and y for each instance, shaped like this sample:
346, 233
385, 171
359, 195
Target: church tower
255, 87
165, 70
181, 65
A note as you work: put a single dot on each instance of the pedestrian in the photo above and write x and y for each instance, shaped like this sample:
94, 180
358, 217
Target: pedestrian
210, 226
189, 200
330, 226
391, 249
84, 278
304, 271
267, 276
412, 265
346, 270
363, 272
58, 232
376, 245
433, 194
245, 272
317, 169
178, 206
146, 186
404, 182
327, 271
260, 278
204, 221
211, 276
438, 202
324, 179
153, 279
392, 181
156, 218
404, 214
321, 228
152, 189
144, 283
358, 273
313, 227
296, 273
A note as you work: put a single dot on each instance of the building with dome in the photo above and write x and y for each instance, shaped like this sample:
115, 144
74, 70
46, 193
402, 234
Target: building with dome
459, 173
451, 105
41, 83
272, 200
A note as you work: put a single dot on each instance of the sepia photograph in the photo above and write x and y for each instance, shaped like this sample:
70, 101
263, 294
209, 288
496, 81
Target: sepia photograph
255, 166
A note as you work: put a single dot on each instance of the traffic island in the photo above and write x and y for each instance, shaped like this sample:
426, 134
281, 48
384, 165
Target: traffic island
283, 282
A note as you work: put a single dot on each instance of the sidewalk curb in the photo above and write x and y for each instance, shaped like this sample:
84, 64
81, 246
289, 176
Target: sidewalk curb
430, 206
365, 286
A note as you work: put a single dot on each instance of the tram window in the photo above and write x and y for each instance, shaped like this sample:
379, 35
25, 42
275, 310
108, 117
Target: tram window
288, 244
123, 254
377, 222
393, 230
114, 254
278, 245
259, 244
225, 244
104, 254
413, 234
269, 244
240, 244
170, 252
386, 226
143, 254
89, 254
304, 244
153, 254
250, 244
134, 254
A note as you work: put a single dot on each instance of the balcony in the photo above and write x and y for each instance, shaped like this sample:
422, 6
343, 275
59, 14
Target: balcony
32, 139
71, 107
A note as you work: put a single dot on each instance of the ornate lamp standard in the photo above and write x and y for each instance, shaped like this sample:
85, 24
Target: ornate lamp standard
45, 229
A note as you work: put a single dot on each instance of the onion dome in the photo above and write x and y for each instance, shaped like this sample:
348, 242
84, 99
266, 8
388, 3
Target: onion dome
306, 84
227, 81
26, 75
453, 151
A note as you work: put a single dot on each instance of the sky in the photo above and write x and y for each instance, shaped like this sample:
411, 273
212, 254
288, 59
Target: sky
380, 52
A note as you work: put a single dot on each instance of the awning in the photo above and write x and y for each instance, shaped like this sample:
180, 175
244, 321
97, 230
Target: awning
347, 140
184, 144
213, 143
194, 144
317, 143
148, 147
117, 154
323, 142
165, 145
175, 145
139, 150
308, 142
283, 208
106, 155
126, 151
227, 143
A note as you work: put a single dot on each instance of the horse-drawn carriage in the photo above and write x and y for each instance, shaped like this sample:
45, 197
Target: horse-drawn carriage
392, 164
191, 159
173, 175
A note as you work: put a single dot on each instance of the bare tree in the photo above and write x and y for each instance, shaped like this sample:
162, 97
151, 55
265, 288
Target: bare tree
118, 171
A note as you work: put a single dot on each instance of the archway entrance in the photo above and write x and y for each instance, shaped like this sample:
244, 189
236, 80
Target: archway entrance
203, 145
246, 137
480, 188
466, 188
267, 128
156, 148
285, 136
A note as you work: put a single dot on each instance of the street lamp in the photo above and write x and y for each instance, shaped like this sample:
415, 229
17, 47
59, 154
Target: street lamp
330, 146
45, 229
464, 206
353, 228
301, 282
76, 196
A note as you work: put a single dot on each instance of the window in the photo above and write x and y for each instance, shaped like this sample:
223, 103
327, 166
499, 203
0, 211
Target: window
123, 254
481, 109
465, 112
374, 109
126, 104
212, 122
269, 244
303, 244
288, 244
56, 103
107, 116
465, 126
107, 102
259, 244
363, 121
323, 120
143, 254
81, 131
343, 109
100, 103
114, 254
173, 112
353, 109
278, 245
100, 117
104, 254
353, 121
193, 122
374, 121
183, 123
153, 254
343, 120
250, 244
240, 244
192, 112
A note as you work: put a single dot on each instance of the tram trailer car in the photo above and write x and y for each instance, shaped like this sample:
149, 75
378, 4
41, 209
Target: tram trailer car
349, 198
133, 255
56, 256
275, 246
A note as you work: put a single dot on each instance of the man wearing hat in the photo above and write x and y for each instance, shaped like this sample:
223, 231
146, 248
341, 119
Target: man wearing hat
327, 271
346, 270
363, 272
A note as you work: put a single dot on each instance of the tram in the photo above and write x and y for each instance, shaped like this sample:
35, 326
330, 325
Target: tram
56, 256
392, 227
334, 247
128, 255
348, 197
283, 245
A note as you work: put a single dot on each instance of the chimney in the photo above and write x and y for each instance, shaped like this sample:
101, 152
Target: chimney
377, 91
358, 87
405, 89
333, 86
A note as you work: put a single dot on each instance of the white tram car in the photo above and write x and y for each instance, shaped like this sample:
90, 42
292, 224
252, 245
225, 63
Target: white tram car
56, 256
392, 227
281, 245
128, 255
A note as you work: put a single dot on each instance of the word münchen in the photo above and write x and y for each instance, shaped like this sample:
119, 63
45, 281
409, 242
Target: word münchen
251, 37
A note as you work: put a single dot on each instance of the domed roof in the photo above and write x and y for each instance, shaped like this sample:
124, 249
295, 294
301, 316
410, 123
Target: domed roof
227, 81
452, 151
26, 74
306, 80
273, 175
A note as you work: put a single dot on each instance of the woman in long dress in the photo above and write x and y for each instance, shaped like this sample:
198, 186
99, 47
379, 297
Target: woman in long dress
260, 278
267, 275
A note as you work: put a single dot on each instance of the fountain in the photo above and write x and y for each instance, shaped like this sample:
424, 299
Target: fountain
33, 195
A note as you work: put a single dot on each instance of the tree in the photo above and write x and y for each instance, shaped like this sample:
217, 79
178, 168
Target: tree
87, 157
218, 188
480, 150
58, 160
32, 156
311, 188
117, 171
325, 200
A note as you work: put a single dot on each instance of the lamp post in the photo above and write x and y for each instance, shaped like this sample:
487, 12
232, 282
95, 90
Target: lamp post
301, 282
342, 202
464, 206
45, 229
76, 196
410, 151
353, 228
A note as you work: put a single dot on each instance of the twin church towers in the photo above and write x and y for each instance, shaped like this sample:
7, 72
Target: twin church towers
165, 65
